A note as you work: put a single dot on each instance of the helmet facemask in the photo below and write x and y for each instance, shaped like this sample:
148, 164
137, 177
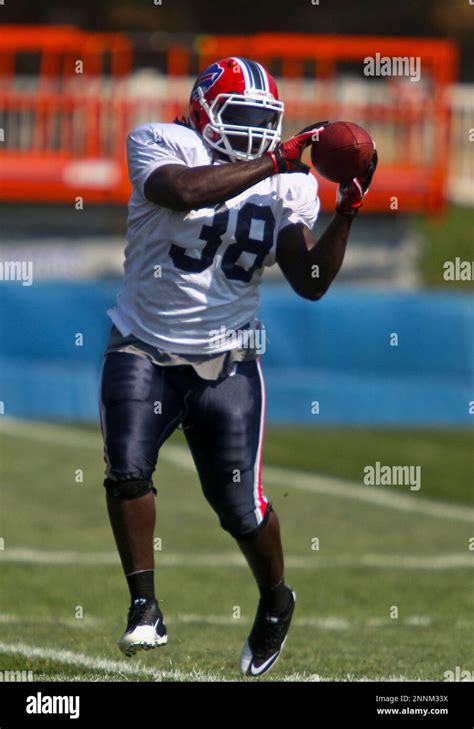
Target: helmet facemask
243, 127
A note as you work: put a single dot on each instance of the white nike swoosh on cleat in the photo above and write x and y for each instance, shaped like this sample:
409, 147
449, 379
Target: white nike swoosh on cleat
264, 666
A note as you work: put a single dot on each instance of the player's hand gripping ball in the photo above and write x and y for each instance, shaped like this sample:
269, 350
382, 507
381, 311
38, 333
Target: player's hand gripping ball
346, 154
350, 195
287, 155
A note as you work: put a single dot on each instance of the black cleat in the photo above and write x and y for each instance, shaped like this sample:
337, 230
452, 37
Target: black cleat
145, 627
266, 640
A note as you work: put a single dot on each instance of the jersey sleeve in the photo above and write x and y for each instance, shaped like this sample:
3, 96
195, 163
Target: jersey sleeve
300, 200
151, 146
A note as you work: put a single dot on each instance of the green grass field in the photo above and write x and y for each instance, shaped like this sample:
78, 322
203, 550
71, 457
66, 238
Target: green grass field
378, 547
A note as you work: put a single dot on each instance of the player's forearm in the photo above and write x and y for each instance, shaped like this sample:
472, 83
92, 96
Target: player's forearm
197, 187
325, 257
310, 266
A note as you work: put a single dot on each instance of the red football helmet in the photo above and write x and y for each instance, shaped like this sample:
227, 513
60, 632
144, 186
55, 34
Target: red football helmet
234, 106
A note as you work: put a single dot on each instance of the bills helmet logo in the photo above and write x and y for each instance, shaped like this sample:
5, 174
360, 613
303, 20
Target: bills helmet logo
207, 79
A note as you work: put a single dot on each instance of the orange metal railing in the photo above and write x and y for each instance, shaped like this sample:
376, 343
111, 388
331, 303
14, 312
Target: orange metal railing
55, 121
64, 131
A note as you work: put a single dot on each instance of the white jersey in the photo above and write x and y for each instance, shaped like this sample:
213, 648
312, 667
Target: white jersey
188, 274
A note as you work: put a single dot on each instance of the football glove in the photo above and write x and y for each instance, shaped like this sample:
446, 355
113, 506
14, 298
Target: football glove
350, 195
286, 156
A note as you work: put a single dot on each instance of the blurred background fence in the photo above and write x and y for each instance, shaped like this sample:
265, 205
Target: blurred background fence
64, 126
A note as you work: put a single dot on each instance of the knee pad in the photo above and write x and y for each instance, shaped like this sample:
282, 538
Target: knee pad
127, 490
254, 532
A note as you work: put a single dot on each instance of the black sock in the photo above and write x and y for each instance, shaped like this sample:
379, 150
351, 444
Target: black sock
275, 599
141, 584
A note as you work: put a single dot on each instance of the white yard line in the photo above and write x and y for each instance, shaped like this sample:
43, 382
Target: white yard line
331, 486
47, 433
86, 622
328, 622
286, 477
323, 623
29, 555
122, 669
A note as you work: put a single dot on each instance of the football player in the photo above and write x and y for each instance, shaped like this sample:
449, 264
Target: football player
216, 198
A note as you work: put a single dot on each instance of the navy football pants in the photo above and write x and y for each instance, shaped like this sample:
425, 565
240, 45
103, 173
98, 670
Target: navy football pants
223, 421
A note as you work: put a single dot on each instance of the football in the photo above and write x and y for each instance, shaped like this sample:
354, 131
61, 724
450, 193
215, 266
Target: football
344, 151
